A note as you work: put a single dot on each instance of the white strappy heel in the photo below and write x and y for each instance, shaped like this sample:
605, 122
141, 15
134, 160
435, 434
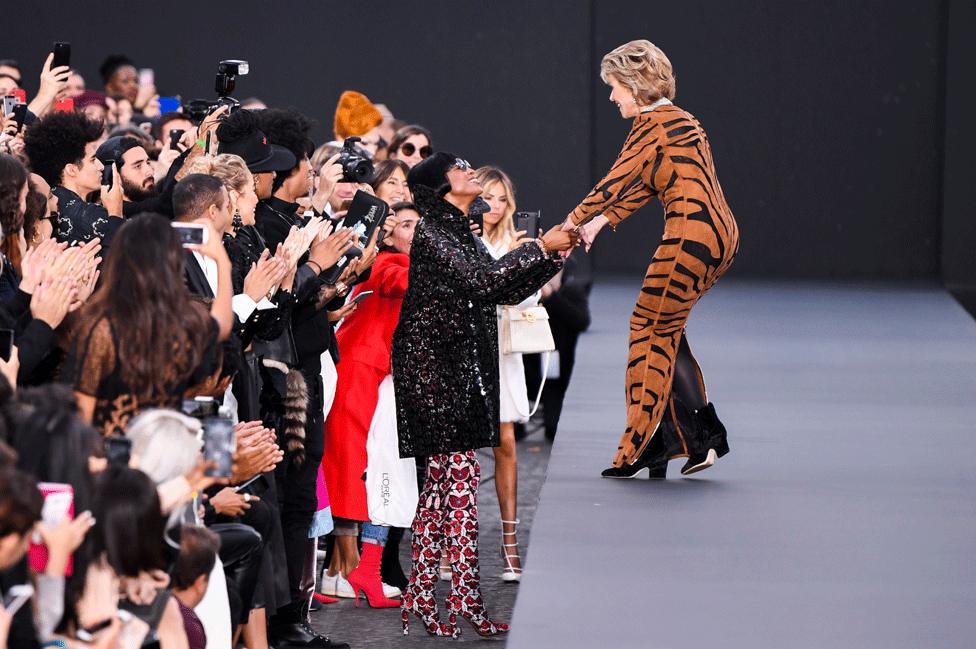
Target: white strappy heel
511, 573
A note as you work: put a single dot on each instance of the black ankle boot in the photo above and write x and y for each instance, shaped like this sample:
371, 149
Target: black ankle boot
707, 440
664, 445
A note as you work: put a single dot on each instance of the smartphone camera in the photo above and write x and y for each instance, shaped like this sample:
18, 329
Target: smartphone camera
219, 444
190, 234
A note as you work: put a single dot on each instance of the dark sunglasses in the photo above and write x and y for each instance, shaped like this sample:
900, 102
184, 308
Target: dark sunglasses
463, 165
408, 150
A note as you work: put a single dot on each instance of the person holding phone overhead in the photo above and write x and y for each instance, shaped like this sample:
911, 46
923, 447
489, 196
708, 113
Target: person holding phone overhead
666, 156
445, 373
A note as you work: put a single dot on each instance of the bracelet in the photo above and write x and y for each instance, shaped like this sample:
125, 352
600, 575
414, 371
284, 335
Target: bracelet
542, 245
316, 264
202, 144
57, 642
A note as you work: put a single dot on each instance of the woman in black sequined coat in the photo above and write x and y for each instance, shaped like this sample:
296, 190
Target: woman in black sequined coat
445, 373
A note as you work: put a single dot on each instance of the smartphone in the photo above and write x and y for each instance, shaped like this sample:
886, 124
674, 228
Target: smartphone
191, 234
64, 105
218, 445
247, 483
200, 407
9, 101
147, 77
62, 54
529, 222
59, 505
362, 296
6, 343
479, 219
169, 104
118, 450
16, 596
174, 138
20, 116
107, 174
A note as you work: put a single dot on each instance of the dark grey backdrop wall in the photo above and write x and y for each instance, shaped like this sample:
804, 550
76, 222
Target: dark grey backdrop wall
825, 118
959, 225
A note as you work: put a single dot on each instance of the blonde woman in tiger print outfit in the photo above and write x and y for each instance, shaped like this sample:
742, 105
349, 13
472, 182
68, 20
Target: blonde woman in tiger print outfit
666, 156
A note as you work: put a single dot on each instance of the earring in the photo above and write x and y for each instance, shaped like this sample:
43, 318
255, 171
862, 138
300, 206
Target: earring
237, 222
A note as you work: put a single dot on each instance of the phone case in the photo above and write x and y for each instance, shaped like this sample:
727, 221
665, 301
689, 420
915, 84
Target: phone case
59, 505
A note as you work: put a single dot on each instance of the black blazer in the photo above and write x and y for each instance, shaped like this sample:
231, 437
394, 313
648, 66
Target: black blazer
196, 280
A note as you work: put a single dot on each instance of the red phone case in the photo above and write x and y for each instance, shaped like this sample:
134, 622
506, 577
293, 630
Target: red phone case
20, 94
37, 553
64, 105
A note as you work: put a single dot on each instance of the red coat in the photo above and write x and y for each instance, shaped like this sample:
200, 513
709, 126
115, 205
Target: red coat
365, 340
367, 334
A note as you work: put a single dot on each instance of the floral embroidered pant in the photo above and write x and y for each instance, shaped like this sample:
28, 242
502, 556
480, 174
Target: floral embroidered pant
447, 521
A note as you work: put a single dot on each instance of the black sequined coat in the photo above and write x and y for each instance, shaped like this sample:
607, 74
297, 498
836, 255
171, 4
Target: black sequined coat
445, 347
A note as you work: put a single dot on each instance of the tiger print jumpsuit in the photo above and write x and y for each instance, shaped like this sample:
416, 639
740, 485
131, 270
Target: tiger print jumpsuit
667, 156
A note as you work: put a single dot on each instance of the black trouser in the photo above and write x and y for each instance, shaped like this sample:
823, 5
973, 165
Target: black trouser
296, 487
241, 554
272, 589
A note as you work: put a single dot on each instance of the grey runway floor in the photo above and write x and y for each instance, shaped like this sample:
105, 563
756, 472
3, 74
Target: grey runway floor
845, 515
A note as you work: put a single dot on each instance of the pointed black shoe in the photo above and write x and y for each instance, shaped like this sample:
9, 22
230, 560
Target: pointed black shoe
664, 445
709, 440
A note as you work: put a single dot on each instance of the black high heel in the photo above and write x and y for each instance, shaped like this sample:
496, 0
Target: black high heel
664, 446
710, 440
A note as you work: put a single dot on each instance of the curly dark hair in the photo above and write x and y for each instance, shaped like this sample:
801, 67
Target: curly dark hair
237, 126
36, 211
288, 128
57, 140
13, 176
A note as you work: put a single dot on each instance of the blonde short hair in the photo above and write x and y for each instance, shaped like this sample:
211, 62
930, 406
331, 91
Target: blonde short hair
228, 168
504, 231
643, 68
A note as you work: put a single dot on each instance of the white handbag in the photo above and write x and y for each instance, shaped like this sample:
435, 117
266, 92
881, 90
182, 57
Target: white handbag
526, 331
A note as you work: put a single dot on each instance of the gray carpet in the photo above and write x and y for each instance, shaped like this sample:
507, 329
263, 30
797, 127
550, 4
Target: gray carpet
845, 515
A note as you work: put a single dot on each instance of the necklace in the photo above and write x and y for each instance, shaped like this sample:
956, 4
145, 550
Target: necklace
663, 101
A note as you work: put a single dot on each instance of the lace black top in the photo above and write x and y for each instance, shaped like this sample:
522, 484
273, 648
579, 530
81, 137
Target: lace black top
445, 347
92, 368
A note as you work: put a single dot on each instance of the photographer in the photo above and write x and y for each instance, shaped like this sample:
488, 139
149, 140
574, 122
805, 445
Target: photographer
61, 148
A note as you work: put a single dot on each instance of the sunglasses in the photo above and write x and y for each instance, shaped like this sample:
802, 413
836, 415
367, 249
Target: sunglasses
463, 165
408, 150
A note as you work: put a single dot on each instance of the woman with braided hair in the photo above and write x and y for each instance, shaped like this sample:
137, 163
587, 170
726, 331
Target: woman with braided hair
666, 156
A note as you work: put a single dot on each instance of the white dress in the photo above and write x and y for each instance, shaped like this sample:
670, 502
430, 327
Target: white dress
513, 395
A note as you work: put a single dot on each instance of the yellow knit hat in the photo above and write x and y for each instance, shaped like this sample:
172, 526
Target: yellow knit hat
355, 115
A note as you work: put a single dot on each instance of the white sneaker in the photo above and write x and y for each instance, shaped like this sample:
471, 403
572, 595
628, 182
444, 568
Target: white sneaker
391, 592
336, 586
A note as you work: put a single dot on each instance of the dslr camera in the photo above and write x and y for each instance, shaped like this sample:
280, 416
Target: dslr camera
356, 164
227, 72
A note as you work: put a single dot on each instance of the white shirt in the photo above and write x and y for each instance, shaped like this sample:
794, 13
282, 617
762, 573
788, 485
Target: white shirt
242, 304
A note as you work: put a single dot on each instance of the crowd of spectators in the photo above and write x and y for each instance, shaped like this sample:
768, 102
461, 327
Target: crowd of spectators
121, 345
